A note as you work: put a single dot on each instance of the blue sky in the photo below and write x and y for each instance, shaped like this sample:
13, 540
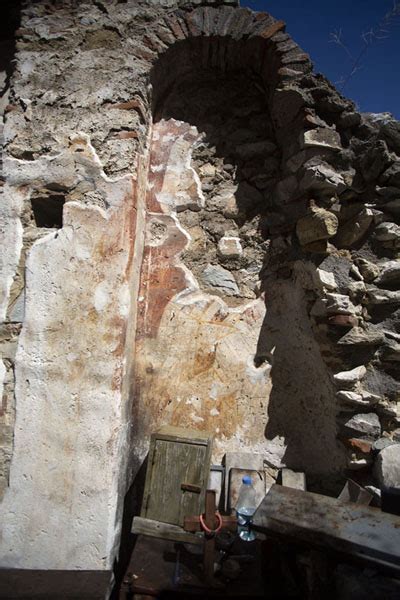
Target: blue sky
375, 87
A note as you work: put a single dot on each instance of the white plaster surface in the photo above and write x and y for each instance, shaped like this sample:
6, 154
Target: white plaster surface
62, 509
10, 241
2, 377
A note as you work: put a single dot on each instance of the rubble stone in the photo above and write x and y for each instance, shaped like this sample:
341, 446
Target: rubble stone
378, 296
392, 175
356, 464
390, 129
354, 230
359, 336
370, 398
375, 160
382, 443
368, 269
340, 304
387, 467
325, 279
367, 424
230, 247
322, 177
360, 446
390, 352
388, 232
344, 321
285, 190
349, 119
392, 207
319, 225
355, 273
349, 397
348, 379
322, 137
219, 278
356, 290
390, 274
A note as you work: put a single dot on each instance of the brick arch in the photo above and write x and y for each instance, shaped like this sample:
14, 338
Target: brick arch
227, 39
269, 49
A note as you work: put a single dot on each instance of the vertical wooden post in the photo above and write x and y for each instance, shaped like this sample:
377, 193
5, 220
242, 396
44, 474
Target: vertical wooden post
209, 540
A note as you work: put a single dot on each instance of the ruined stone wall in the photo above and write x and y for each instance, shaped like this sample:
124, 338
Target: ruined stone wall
197, 231
74, 178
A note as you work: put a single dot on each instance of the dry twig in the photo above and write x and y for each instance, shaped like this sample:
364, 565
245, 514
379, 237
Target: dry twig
380, 32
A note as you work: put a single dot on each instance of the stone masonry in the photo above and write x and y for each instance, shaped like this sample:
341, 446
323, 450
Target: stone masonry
197, 230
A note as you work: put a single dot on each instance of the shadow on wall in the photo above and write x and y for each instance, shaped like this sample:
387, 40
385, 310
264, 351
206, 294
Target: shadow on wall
132, 506
231, 108
231, 111
9, 23
301, 406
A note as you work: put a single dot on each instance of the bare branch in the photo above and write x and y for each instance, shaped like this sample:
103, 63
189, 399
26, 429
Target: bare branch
380, 31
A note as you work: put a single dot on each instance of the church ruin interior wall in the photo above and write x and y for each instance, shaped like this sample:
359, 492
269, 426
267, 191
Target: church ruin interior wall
200, 231
205, 347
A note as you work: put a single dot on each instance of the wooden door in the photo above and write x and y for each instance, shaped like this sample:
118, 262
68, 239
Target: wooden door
177, 476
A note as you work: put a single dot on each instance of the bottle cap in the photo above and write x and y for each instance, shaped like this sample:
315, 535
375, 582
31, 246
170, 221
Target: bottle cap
246, 480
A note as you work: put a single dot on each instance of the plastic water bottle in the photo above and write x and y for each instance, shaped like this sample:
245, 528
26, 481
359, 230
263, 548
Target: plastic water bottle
245, 509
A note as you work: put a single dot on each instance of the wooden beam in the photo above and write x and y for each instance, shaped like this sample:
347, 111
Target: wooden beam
361, 532
209, 541
164, 531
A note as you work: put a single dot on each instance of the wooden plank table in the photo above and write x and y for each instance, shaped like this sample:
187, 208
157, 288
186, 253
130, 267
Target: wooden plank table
357, 531
153, 572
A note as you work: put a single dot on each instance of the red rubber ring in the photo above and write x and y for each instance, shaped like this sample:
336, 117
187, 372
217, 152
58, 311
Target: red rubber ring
207, 529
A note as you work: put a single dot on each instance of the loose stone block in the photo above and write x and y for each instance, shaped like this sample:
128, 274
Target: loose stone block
343, 321
360, 446
230, 247
319, 225
391, 352
387, 467
388, 234
354, 230
219, 278
368, 269
348, 379
340, 304
322, 177
321, 137
362, 337
390, 274
325, 279
377, 296
381, 443
367, 424
349, 397
357, 290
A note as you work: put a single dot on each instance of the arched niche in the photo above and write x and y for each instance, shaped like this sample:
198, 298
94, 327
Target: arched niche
221, 345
